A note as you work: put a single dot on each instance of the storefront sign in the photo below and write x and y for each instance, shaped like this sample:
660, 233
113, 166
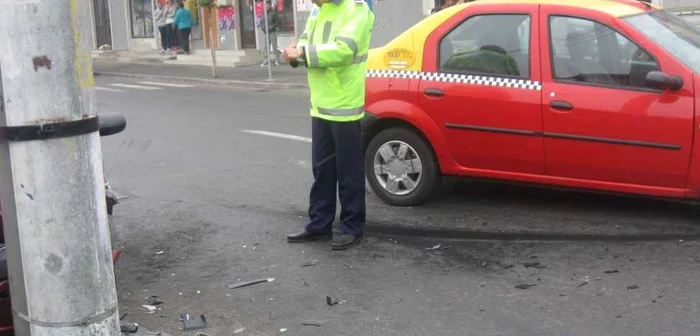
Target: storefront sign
304, 5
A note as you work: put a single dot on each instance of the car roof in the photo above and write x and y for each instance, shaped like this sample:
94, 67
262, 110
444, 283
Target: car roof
616, 8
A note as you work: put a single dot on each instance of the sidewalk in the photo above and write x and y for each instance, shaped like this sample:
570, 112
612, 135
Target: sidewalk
283, 75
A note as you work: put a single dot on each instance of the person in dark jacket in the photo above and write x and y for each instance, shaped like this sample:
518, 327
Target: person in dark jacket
273, 23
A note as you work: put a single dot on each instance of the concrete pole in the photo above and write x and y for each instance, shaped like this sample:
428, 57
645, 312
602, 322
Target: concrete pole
267, 42
52, 190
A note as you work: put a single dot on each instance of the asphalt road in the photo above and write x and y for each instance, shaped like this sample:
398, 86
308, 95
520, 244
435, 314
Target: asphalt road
209, 204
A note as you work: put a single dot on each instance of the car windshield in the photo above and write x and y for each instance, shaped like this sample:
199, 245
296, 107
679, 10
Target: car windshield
680, 38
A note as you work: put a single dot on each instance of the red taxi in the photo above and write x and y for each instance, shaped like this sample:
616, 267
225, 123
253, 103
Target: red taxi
595, 94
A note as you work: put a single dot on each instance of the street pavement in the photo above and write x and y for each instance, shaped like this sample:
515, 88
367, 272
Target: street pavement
216, 176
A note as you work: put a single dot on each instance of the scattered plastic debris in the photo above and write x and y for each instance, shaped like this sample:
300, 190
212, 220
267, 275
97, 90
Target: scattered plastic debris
611, 271
506, 265
393, 240
534, 264
310, 263
283, 329
312, 323
129, 328
150, 309
524, 286
332, 301
160, 252
190, 323
632, 287
435, 247
249, 283
238, 331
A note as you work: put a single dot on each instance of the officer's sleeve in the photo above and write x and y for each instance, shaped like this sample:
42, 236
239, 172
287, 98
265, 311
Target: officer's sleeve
342, 51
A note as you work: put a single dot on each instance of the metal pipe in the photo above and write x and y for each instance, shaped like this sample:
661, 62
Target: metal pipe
267, 42
56, 230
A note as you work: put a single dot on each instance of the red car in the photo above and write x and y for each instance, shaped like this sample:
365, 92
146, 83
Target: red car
595, 94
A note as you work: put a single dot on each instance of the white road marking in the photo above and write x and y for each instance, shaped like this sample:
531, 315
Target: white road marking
168, 84
279, 135
102, 88
134, 86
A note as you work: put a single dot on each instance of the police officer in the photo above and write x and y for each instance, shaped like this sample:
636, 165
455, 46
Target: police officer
334, 48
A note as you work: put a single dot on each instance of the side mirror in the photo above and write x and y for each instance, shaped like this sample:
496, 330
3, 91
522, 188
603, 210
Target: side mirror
661, 81
111, 123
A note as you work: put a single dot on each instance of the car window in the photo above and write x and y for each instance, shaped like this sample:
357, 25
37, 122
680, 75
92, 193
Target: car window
589, 52
488, 44
680, 38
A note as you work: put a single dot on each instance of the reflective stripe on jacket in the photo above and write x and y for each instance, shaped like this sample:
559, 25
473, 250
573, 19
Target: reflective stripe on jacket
336, 42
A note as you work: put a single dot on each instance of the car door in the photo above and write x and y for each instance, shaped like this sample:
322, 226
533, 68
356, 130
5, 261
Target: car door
602, 122
480, 85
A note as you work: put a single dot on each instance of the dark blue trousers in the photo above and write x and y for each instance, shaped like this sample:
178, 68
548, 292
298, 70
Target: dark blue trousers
338, 168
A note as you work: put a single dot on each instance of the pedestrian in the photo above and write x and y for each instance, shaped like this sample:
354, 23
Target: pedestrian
161, 16
273, 22
334, 47
184, 22
170, 19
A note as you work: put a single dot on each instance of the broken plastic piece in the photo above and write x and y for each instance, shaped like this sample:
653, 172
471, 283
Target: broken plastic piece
524, 286
150, 308
129, 327
198, 322
310, 263
435, 247
248, 283
332, 301
238, 331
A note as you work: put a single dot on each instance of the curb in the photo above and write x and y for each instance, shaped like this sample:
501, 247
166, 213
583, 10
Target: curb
213, 81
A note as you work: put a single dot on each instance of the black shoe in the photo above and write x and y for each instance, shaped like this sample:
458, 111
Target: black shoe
344, 242
306, 236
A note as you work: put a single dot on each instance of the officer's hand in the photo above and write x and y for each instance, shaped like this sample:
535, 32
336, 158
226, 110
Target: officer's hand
293, 45
291, 54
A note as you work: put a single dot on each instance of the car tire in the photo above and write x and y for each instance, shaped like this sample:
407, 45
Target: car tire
418, 156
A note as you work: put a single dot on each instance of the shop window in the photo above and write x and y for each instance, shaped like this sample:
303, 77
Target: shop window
285, 8
141, 18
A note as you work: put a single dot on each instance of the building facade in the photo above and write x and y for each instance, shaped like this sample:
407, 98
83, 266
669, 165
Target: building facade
127, 25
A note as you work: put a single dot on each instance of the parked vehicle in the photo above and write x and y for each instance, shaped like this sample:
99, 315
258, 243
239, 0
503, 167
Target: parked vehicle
109, 124
596, 94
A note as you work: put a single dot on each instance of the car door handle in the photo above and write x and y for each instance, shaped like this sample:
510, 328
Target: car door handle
561, 105
434, 92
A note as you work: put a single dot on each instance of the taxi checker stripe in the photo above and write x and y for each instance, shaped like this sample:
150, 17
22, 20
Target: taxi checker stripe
458, 78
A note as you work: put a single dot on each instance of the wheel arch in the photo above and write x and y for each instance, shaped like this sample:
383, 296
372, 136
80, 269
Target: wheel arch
395, 113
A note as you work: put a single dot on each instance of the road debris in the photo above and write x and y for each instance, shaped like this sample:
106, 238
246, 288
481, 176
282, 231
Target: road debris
238, 331
249, 283
160, 252
129, 328
632, 287
283, 329
434, 247
332, 301
534, 264
348, 266
207, 275
151, 309
310, 263
611, 271
153, 300
123, 316
393, 240
193, 323
582, 284
524, 286
312, 323
505, 265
